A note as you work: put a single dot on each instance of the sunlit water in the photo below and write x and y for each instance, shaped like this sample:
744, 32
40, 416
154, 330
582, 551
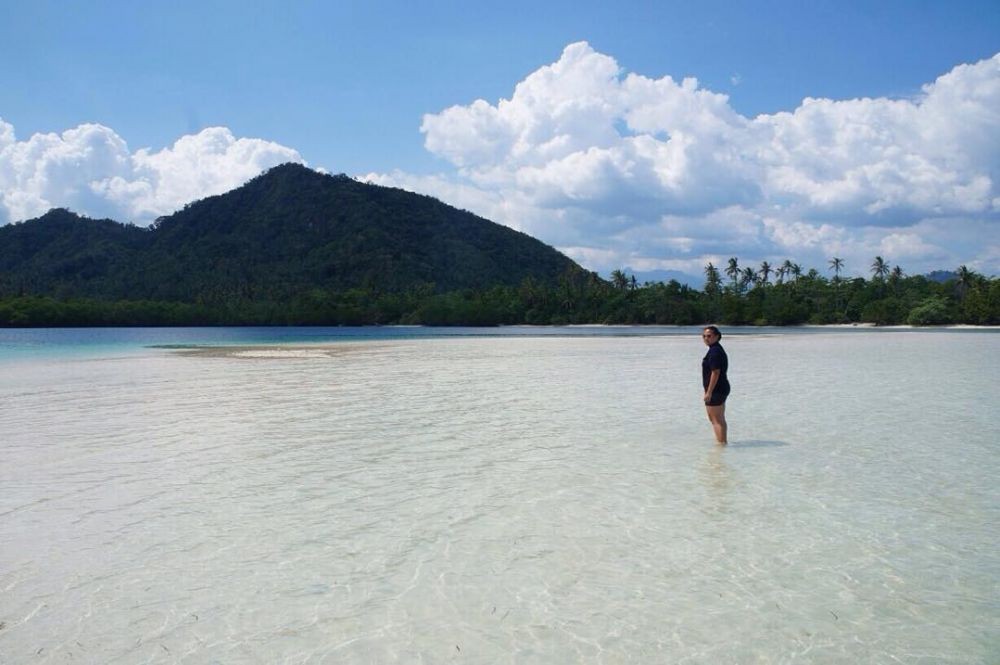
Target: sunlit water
506, 499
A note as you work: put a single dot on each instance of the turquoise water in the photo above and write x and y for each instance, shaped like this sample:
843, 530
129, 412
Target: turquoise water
552, 497
39, 343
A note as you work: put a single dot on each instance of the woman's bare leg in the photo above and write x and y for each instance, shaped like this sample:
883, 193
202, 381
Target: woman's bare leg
717, 416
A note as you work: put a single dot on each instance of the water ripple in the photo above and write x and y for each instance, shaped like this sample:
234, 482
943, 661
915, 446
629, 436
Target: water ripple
503, 500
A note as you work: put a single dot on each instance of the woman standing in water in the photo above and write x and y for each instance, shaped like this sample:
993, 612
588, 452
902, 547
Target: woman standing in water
714, 367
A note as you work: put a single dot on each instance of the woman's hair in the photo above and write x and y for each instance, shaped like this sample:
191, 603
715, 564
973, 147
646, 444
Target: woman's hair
715, 331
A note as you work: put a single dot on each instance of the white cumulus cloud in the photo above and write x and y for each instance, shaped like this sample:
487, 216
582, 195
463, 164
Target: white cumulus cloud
91, 170
619, 168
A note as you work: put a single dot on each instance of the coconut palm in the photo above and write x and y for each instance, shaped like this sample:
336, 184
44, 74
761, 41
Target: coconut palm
749, 277
966, 280
765, 272
894, 277
711, 272
880, 269
712, 279
619, 279
836, 265
782, 271
733, 270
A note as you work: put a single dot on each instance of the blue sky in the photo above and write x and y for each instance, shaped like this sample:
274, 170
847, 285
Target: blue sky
346, 86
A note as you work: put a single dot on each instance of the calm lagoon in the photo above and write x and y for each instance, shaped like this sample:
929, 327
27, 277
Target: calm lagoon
516, 495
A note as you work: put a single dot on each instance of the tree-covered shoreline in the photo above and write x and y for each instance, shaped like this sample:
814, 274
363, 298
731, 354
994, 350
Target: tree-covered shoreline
297, 247
748, 295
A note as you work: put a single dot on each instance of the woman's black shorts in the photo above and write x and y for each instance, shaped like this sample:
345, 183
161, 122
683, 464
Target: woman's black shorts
717, 398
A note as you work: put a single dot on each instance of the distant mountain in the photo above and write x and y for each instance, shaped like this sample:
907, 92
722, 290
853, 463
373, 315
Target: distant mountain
941, 276
643, 276
289, 230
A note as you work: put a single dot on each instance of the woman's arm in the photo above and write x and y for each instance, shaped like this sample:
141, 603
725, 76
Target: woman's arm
712, 380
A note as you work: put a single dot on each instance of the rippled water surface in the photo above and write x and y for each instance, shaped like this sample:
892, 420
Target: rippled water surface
507, 499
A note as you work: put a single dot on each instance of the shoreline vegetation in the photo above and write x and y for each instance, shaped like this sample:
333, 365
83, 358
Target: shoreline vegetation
294, 247
784, 295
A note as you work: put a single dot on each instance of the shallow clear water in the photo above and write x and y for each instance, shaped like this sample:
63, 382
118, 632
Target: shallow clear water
507, 499
48, 343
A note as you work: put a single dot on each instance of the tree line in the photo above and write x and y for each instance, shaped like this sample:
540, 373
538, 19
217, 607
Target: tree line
736, 294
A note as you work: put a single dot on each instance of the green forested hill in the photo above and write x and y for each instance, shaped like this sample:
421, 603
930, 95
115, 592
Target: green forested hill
286, 232
296, 247
63, 254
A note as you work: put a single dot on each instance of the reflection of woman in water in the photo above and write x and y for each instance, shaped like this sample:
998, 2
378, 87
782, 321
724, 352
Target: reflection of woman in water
715, 382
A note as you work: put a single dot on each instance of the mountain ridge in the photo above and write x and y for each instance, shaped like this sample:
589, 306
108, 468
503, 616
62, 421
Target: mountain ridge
288, 230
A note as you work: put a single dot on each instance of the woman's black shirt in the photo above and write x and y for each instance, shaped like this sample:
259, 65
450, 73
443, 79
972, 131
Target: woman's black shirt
716, 358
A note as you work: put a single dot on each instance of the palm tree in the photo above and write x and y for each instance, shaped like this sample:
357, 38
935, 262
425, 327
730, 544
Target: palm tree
787, 267
749, 277
797, 271
879, 268
782, 271
712, 280
836, 264
765, 272
966, 280
894, 277
619, 279
733, 270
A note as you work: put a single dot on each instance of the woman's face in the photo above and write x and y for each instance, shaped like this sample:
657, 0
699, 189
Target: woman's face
708, 337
